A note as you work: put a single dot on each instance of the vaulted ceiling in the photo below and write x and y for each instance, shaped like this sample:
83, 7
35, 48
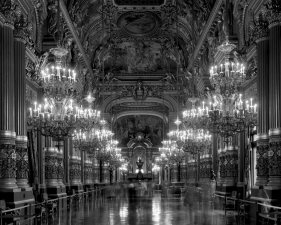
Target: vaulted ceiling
138, 50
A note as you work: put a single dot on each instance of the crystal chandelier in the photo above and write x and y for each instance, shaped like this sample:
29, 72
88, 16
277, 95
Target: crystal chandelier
58, 116
172, 152
197, 142
227, 113
192, 119
162, 159
86, 141
116, 159
178, 136
103, 136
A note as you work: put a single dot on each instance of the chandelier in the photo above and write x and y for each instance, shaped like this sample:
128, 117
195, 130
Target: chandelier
172, 152
162, 159
86, 141
227, 113
103, 136
59, 116
116, 159
197, 142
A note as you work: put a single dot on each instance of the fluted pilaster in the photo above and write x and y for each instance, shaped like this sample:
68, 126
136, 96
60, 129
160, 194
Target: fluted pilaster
20, 35
7, 108
273, 14
274, 77
265, 99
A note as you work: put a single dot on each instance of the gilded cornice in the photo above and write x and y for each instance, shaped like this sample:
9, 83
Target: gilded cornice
259, 29
22, 28
205, 31
9, 11
76, 38
272, 12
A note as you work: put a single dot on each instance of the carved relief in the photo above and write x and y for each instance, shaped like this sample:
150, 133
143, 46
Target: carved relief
262, 160
9, 10
22, 28
273, 12
7, 161
259, 28
22, 163
274, 157
51, 169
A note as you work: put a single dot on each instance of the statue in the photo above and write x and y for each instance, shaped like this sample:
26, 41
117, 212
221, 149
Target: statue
139, 165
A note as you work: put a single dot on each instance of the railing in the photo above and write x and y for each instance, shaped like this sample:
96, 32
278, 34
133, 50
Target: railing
14, 214
273, 214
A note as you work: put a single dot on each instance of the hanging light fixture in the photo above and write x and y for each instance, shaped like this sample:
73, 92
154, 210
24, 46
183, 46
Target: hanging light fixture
59, 115
197, 142
227, 113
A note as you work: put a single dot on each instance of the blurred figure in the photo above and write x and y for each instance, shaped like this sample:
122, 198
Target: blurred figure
206, 193
131, 191
189, 200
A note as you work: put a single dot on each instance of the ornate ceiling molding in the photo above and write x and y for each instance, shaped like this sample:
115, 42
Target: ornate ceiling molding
137, 112
205, 32
168, 101
75, 36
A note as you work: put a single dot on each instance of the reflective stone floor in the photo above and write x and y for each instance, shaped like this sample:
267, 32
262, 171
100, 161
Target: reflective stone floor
144, 211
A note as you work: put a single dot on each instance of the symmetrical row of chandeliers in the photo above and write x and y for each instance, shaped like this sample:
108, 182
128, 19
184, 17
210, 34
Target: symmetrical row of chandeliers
225, 113
60, 117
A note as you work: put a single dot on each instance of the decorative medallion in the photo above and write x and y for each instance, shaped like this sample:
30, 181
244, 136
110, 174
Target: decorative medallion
139, 24
140, 92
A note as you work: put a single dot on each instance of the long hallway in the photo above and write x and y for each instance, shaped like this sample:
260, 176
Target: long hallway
139, 211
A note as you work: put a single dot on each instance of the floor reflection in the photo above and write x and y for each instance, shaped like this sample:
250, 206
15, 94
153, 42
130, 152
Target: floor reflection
138, 211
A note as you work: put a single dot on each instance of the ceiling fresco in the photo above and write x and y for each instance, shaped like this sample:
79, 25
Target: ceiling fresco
138, 57
151, 126
126, 41
139, 24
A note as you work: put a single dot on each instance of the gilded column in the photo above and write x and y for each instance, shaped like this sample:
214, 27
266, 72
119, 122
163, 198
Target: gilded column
183, 171
66, 155
214, 154
82, 167
96, 171
105, 174
260, 34
221, 165
60, 169
8, 12
273, 15
174, 172
231, 166
51, 169
21, 32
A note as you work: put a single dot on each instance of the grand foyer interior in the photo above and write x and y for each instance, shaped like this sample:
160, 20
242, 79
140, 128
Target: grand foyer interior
96, 92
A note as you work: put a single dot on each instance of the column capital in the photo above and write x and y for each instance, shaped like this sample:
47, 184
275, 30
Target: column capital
272, 12
8, 12
259, 29
22, 28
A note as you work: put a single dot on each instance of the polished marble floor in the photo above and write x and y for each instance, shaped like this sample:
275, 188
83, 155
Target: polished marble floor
140, 211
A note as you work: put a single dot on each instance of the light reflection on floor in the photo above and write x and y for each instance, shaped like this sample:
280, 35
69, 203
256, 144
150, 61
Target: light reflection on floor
144, 211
